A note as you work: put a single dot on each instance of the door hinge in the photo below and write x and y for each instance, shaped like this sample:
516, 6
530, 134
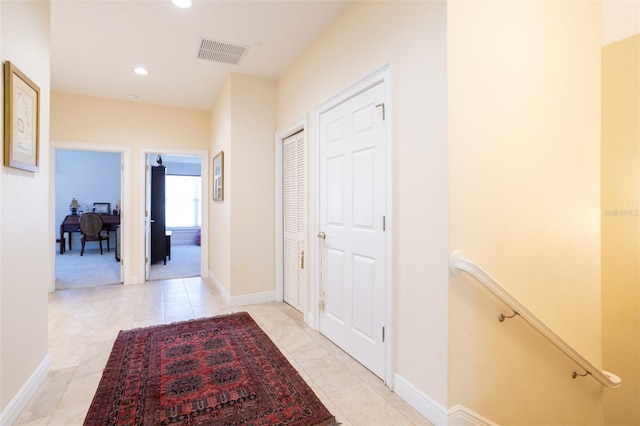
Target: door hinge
384, 223
382, 334
383, 110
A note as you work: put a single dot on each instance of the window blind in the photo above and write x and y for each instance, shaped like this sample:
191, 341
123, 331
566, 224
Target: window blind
182, 169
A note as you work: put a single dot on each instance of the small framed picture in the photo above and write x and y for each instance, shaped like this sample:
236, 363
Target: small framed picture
218, 177
21, 120
102, 208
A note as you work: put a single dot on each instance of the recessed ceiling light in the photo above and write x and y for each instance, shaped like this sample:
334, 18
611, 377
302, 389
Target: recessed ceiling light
140, 71
184, 4
132, 96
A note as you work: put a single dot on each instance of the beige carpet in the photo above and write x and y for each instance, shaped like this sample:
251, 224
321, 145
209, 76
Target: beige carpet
92, 269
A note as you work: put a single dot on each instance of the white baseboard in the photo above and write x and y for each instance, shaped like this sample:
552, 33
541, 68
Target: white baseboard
11, 413
458, 415
219, 287
421, 402
245, 299
250, 299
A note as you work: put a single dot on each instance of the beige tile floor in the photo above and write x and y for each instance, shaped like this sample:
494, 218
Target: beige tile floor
83, 324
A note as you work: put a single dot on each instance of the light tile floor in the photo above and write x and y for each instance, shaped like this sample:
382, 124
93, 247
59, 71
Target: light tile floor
83, 324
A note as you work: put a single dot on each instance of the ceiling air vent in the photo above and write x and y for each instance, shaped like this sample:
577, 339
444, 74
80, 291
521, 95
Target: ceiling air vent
220, 51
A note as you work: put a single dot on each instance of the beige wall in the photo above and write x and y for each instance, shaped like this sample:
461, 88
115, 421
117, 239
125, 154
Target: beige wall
412, 37
524, 143
253, 131
621, 226
26, 235
112, 122
220, 211
242, 225
132, 126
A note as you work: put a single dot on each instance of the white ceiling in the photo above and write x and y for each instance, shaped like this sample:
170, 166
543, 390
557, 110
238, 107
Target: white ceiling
96, 44
620, 19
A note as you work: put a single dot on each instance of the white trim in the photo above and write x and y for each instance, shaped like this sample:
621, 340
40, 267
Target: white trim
301, 124
252, 299
279, 269
218, 285
384, 74
245, 299
380, 75
12, 411
421, 402
53, 225
460, 415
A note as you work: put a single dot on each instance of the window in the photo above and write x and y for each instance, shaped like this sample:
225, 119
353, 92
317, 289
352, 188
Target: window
182, 201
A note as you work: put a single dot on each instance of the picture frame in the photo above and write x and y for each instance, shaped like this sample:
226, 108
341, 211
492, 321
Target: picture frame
218, 177
21, 120
102, 208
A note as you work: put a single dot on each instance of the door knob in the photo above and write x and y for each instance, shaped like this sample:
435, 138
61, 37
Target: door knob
322, 235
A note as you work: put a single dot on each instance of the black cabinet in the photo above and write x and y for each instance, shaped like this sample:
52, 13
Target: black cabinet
158, 217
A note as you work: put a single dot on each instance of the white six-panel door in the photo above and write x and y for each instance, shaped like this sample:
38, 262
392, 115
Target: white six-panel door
352, 201
294, 285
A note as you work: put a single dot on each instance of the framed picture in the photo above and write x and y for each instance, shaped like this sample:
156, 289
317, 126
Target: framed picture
102, 208
21, 120
218, 177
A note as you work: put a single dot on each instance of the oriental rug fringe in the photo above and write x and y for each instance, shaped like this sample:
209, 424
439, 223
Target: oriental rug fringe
214, 371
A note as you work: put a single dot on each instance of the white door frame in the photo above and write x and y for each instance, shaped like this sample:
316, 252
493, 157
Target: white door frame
383, 74
125, 194
204, 202
299, 125
147, 217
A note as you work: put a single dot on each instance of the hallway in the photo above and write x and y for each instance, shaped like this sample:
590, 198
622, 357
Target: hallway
83, 324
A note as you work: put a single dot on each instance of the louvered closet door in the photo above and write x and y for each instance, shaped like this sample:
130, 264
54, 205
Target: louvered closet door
294, 226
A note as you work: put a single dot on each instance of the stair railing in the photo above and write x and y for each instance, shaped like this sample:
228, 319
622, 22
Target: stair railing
457, 263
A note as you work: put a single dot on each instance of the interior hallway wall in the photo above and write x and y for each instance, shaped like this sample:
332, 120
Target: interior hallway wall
242, 231
524, 144
621, 226
220, 211
26, 237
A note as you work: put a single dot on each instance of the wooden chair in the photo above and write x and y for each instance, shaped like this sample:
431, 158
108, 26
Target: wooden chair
91, 229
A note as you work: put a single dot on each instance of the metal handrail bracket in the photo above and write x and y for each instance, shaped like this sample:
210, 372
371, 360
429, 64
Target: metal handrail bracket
457, 264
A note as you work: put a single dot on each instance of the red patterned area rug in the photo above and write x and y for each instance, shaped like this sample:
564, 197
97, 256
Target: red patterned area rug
214, 371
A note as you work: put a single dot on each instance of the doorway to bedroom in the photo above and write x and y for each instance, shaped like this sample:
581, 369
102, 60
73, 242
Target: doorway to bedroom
174, 197
87, 181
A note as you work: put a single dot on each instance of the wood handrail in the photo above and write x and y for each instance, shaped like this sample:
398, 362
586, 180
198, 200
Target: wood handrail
457, 263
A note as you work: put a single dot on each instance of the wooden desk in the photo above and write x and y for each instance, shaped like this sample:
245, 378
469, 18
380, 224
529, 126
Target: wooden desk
71, 223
